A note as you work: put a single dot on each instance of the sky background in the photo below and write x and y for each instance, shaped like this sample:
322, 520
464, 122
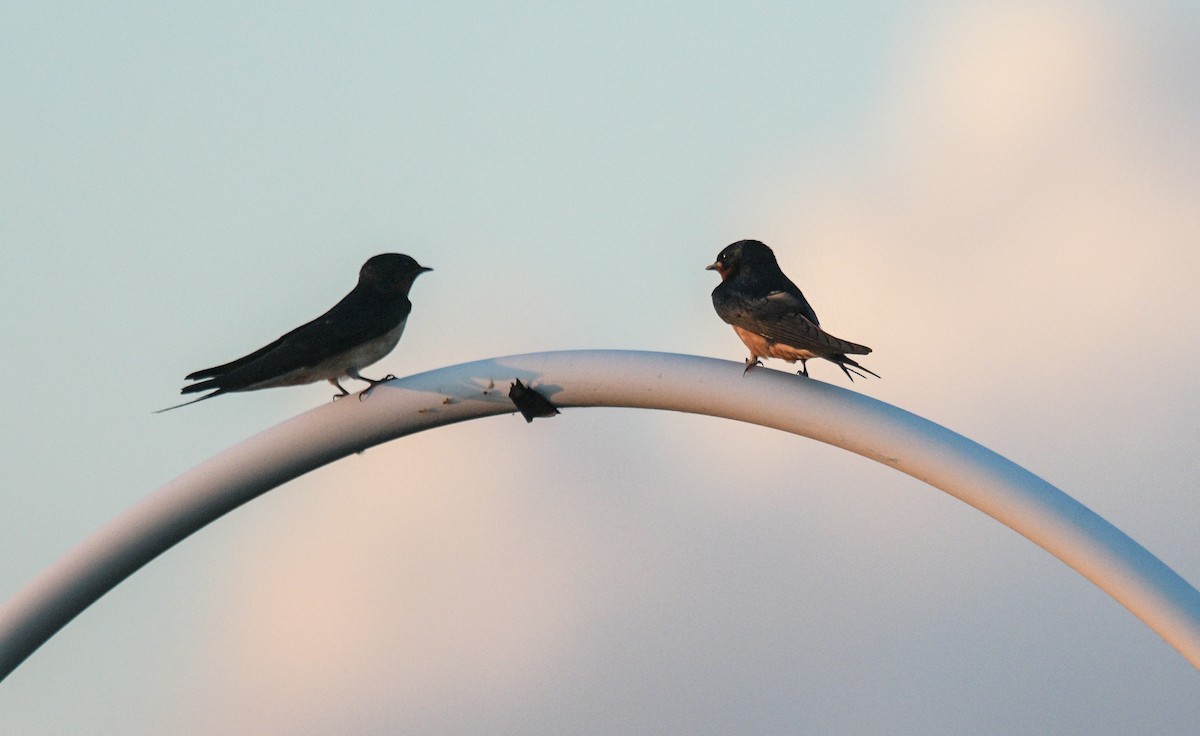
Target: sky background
999, 197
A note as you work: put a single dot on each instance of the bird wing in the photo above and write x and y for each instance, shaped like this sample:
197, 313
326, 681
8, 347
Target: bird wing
351, 322
783, 317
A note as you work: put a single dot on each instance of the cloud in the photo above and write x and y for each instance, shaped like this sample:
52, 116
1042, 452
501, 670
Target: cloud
1012, 228
1017, 204
394, 577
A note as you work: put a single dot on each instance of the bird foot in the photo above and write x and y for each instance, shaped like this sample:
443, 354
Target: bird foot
362, 395
750, 363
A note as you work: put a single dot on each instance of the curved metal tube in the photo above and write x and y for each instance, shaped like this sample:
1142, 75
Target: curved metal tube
927, 451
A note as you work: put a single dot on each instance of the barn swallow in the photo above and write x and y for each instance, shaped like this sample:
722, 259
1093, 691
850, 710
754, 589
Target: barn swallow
359, 330
771, 315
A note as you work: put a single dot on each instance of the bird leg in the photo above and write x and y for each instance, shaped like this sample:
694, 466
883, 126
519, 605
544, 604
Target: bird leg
750, 363
803, 368
344, 392
353, 373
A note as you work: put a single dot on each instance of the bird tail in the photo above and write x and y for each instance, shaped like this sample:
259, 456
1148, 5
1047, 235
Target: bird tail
202, 386
193, 401
851, 367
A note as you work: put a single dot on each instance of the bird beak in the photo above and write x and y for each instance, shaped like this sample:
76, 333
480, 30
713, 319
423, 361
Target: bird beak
713, 267
425, 268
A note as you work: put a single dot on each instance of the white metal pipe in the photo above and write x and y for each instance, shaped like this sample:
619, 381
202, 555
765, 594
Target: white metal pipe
1003, 490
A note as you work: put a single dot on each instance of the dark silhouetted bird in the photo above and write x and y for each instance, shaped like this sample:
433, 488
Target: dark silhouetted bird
359, 330
771, 315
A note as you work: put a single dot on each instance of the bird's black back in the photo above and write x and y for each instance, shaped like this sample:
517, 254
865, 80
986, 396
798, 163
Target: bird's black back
754, 275
372, 309
755, 295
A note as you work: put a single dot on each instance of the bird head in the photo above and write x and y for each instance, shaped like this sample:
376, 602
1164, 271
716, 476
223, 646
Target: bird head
391, 272
743, 252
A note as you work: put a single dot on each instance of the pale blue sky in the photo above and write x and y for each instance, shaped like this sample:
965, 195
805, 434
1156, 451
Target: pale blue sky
1000, 198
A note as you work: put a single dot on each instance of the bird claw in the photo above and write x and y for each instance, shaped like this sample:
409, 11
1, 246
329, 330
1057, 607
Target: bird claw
750, 365
362, 395
341, 389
